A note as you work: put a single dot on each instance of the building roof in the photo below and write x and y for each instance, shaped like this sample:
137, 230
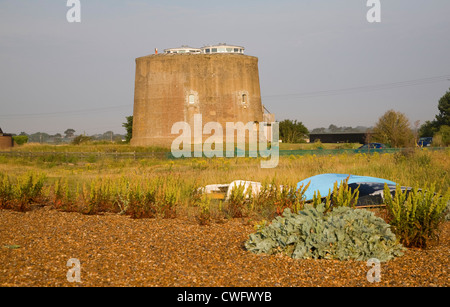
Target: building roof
183, 48
222, 45
219, 48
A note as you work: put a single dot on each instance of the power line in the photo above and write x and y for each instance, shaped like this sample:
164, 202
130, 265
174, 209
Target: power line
359, 89
72, 112
365, 88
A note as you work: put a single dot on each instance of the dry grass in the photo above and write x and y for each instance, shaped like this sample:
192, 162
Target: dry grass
410, 168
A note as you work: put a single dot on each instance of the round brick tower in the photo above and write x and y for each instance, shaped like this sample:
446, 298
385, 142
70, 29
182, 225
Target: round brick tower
170, 88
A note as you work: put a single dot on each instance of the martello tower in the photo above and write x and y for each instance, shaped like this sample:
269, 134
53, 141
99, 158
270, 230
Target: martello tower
219, 82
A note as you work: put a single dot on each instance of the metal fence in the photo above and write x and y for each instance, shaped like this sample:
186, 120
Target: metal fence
67, 156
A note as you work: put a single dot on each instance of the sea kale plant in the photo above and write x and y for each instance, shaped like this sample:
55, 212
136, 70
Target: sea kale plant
343, 233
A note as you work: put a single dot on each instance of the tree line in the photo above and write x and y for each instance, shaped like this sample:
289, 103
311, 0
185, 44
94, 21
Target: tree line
393, 129
69, 136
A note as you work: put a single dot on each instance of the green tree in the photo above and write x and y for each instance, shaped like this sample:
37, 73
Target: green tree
38, 137
129, 128
20, 139
443, 118
69, 133
80, 139
293, 131
442, 137
393, 129
430, 128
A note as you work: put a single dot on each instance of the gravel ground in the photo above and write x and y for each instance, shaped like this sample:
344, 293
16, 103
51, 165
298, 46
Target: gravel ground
116, 250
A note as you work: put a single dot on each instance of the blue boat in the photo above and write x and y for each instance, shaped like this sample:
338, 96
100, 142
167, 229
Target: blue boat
370, 188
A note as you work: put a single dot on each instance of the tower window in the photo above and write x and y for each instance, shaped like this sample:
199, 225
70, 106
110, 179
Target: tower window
191, 99
244, 98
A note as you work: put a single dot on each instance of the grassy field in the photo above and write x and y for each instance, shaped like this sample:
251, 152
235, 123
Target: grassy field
176, 180
202, 237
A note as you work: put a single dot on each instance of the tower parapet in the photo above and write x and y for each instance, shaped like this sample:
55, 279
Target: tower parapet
219, 48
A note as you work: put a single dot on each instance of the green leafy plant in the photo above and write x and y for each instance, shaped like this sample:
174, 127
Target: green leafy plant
416, 215
343, 233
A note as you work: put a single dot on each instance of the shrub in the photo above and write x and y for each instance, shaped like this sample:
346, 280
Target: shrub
344, 233
138, 203
416, 215
341, 196
81, 139
271, 200
394, 130
239, 200
18, 193
317, 144
442, 137
64, 198
274, 199
204, 214
20, 139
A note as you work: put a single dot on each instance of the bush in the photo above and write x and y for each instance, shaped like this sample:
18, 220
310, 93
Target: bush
416, 215
341, 196
138, 199
394, 130
18, 193
274, 199
239, 200
204, 214
344, 233
81, 139
442, 137
271, 200
20, 139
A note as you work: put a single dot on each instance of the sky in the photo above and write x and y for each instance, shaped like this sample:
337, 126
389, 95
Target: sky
320, 62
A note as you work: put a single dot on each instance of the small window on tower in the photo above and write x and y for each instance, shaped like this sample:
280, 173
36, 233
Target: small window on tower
191, 99
244, 98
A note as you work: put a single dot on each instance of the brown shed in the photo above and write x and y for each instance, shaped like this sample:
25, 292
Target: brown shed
6, 140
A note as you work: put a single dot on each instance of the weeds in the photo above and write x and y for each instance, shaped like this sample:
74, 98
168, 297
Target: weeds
239, 200
149, 188
204, 214
341, 196
274, 199
19, 193
416, 215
